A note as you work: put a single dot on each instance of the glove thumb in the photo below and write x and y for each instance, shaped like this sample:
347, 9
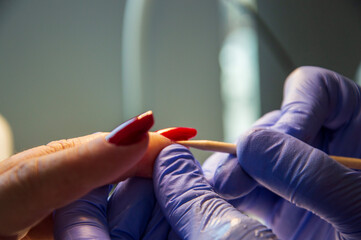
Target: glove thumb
305, 176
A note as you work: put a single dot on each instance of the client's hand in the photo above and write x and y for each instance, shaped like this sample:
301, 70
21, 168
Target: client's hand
35, 182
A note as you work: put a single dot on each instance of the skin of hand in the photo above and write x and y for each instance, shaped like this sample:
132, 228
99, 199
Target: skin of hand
35, 182
297, 190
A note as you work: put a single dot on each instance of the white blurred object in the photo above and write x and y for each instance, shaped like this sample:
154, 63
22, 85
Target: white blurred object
238, 60
6, 139
358, 75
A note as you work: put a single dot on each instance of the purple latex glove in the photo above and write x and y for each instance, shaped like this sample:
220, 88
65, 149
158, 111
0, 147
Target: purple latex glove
130, 213
302, 193
192, 207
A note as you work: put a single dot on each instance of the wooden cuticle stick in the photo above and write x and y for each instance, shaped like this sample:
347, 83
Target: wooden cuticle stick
215, 146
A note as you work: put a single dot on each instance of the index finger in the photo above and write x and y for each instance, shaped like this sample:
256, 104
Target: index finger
51, 147
192, 207
36, 187
315, 98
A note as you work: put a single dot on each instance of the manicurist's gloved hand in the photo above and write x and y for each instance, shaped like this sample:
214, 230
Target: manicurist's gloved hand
190, 204
131, 211
301, 192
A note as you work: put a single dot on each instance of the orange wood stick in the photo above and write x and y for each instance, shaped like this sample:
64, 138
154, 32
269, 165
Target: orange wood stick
207, 145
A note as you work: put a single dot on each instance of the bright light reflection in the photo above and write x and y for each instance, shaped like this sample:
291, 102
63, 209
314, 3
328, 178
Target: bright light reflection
358, 75
239, 81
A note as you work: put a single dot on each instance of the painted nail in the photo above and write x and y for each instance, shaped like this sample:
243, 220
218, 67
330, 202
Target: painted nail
178, 133
132, 131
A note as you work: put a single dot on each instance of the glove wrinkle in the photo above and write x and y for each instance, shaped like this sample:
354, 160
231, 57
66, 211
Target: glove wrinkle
158, 227
85, 218
128, 216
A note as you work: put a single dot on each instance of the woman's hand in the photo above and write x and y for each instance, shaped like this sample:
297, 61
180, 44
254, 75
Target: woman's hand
35, 182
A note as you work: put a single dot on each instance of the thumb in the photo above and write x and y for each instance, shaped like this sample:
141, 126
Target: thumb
304, 176
316, 97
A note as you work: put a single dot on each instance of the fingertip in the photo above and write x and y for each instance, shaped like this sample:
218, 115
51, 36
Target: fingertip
171, 153
132, 130
268, 120
175, 166
178, 133
144, 167
230, 180
259, 148
210, 166
171, 157
316, 97
248, 142
174, 148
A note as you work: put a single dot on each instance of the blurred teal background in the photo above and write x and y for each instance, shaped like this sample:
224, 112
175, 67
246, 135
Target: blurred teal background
59, 68
67, 69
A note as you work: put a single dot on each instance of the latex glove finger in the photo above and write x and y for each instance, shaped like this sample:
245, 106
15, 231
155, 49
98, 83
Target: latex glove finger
306, 177
191, 206
35, 188
129, 212
316, 97
224, 173
232, 183
158, 227
85, 218
227, 177
130, 208
268, 120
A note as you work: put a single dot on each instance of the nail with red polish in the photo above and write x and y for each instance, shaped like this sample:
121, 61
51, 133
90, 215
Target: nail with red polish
178, 133
131, 131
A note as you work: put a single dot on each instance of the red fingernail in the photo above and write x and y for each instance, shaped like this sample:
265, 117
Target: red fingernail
178, 133
132, 130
